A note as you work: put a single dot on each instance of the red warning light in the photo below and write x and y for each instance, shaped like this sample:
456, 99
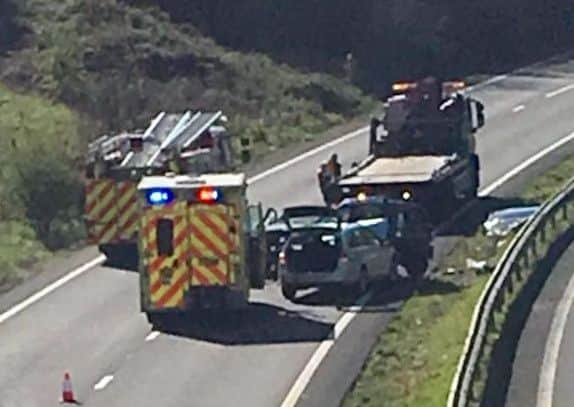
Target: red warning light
208, 195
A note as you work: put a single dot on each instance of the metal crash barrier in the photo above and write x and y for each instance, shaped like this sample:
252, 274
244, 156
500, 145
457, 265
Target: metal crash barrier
516, 266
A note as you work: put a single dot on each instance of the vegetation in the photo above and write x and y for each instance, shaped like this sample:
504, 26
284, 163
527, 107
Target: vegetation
389, 39
39, 183
94, 66
71, 70
416, 357
121, 64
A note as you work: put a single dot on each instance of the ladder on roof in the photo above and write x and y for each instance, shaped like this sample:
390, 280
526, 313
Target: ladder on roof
167, 130
188, 129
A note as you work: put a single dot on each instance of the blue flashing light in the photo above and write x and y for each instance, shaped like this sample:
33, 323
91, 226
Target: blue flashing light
160, 196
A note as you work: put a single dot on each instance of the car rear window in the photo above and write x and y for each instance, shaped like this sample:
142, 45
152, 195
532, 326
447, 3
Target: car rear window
353, 213
327, 237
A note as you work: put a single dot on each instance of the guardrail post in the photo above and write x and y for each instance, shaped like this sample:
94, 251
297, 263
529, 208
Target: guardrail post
553, 221
510, 283
499, 301
543, 232
516, 266
517, 271
526, 259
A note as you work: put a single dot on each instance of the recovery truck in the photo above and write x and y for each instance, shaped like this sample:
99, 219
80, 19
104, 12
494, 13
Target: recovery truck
203, 246
190, 142
423, 148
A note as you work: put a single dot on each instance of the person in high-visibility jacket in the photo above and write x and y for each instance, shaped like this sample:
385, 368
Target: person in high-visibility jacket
334, 167
322, 176
332, 173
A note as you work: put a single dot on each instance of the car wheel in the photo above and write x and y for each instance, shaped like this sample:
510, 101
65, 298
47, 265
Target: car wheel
288, 291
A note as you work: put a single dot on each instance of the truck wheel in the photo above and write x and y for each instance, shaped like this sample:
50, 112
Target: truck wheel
288, 291
417, 266
156, 320
114, 255
473, 190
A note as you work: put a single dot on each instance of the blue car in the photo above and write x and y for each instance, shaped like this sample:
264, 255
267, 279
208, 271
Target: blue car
407, 224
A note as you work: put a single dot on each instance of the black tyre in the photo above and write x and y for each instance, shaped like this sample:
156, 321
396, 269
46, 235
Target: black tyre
272, 272
257, 278
114, 255
416, 266
156, 320
288, 291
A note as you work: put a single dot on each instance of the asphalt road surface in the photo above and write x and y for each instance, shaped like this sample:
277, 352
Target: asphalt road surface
91, 326
543, 369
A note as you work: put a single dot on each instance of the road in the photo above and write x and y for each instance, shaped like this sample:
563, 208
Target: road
92, 327
543, 369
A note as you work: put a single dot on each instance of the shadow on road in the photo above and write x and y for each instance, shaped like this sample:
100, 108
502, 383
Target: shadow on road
258, 324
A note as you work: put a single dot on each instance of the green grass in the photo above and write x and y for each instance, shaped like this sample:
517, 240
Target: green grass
32, 130
543, 187
85, 68
19, 249
415, 359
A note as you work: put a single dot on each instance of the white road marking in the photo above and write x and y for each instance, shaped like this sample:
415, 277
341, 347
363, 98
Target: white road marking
100, 259
527, 163
152, 336
16, 309
552, 348
306, 155
321, 352
104, 381
518, 108
560, 91
487, 82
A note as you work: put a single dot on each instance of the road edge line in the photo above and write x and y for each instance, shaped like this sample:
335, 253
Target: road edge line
320, 353
21, 306
547, 376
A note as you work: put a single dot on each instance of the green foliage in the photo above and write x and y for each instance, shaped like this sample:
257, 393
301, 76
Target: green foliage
121, 64
19, 249
40, 147
392, 39
48, 189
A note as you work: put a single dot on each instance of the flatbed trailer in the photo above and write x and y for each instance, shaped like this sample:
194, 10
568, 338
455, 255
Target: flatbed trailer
422, 179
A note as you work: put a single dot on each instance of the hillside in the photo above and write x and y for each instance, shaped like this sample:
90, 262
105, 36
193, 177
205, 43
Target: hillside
389, 39
70, 70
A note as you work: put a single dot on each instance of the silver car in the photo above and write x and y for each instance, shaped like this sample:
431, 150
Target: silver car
327, 254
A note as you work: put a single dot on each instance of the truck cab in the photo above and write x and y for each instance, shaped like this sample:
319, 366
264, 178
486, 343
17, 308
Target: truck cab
422, 149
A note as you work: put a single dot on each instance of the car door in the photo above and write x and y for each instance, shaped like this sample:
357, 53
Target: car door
366, 250
380, 254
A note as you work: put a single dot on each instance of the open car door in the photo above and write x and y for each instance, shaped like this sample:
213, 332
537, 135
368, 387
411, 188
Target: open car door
257, 246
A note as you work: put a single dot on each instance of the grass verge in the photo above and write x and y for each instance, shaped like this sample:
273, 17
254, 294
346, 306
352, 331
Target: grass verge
415, 359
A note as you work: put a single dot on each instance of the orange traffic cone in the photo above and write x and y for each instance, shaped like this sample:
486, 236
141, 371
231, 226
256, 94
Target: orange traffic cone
67, 392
